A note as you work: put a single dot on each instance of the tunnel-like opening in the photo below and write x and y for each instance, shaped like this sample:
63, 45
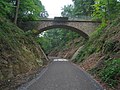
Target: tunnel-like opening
58, 40
83, 34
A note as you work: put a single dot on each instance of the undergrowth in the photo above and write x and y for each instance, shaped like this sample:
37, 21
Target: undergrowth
90, 46
106, 41
18, 52
110, 71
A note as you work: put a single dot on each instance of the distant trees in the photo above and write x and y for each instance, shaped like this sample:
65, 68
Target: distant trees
83, 7
21, 10
56, 38
6, 8
79, 9
106, 9
30, 9
97, 9
68, 11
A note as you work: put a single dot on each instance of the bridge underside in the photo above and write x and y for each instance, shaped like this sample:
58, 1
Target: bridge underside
65, 27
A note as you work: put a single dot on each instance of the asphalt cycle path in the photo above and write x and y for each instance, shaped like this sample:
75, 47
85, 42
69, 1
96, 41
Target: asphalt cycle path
62, 75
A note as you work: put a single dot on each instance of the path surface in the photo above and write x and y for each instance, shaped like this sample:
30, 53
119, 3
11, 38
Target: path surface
62, 75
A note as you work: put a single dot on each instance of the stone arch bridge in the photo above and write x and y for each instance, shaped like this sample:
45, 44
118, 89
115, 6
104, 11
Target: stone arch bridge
84, 28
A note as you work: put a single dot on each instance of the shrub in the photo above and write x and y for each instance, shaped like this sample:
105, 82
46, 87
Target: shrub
110, 72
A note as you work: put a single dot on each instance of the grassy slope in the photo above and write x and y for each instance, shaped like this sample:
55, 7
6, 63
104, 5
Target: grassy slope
19, 54
101, 54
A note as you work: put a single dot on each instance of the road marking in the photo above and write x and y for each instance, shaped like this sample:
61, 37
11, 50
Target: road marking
59, 60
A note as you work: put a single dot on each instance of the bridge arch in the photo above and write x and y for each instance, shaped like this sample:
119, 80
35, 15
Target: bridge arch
84, 28
83, 34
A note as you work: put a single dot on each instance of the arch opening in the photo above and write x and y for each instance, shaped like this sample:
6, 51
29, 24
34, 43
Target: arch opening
55, 41
83, 34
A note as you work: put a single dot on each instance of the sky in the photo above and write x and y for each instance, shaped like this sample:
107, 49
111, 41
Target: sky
53, 7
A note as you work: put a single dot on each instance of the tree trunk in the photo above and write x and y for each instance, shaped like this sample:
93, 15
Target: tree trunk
108, 4
16, 11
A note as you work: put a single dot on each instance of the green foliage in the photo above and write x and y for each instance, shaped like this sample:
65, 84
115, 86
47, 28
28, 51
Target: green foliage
56, 38
94, 45
98, 32
45, 43
8, 33
28, 9
85, 52
106, 42
109, 46
83, 7
115, 22
106, 9
68, 11
110, 72
19, 54
5, 8
103, 10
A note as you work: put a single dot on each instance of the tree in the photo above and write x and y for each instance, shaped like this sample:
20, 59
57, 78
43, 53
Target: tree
28, 9
68, 11
16, 12
106, 9
56, 38
83, 7
5, 8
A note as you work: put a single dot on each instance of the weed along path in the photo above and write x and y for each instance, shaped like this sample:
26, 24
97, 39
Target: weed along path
62, 75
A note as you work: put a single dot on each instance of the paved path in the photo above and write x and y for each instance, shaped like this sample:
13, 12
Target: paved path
62, 75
